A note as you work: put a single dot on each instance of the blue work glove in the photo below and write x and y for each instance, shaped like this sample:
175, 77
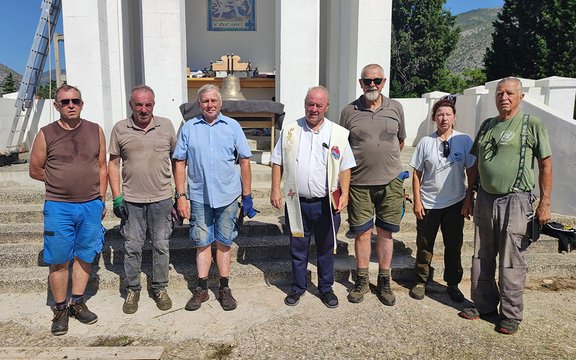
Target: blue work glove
119, 207
248, 206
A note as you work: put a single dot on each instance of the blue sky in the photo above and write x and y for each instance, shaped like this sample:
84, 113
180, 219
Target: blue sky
20, 18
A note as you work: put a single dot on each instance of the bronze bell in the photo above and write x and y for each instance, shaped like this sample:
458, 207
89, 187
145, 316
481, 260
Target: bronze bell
231, 88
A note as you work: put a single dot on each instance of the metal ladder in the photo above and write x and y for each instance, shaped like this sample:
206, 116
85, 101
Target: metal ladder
34, 67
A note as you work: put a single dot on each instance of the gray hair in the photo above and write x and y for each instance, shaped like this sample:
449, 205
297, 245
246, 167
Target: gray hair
206, 88
319, 87
370, 66
511, 78
142, 88
66, 87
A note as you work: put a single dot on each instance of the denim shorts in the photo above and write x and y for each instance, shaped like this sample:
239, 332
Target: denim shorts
209, 224
72, 230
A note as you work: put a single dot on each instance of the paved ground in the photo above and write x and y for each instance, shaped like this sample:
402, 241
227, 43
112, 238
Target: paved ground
263, 327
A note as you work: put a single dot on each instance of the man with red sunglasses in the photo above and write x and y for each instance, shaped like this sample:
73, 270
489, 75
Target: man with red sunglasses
377, 134
69, 156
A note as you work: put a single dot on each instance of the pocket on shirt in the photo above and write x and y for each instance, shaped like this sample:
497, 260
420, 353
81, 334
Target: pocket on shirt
392, 126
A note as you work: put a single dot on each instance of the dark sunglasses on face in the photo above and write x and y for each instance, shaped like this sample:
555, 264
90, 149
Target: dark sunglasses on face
65, 102
445, 148
377, 81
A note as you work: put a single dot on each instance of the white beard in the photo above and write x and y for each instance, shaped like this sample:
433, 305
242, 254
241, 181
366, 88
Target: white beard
372, 95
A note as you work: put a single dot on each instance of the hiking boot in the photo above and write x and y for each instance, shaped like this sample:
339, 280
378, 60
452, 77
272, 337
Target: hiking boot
455, 293
418, 291
226, 299
361, 287
80, 311
383, 291
508, 326
200, 295
60, 320
131, 303
163, 301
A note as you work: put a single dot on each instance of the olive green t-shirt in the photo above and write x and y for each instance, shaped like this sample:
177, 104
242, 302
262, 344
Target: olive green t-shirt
146, 159
497, 148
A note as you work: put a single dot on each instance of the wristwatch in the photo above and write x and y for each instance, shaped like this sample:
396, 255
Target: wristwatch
179, 195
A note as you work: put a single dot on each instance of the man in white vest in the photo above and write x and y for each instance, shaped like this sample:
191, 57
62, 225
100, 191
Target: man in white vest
315, 158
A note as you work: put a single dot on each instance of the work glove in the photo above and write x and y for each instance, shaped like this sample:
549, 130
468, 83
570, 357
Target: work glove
248, 206
119, 207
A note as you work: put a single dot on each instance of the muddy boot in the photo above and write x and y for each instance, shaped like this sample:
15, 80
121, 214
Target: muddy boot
361, 287
383, 290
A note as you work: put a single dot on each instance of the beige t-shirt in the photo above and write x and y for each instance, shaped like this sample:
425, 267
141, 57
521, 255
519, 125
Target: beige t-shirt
146, 159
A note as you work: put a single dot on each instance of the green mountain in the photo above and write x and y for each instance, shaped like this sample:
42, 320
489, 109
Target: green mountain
475, 36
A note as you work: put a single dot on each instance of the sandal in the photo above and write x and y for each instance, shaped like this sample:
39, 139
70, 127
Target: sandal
469, 313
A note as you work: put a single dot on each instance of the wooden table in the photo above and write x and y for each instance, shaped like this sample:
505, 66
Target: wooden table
268, 121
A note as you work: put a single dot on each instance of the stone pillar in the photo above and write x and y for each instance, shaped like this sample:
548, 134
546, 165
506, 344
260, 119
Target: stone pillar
559, 94
164, 55
297, 53
87, 58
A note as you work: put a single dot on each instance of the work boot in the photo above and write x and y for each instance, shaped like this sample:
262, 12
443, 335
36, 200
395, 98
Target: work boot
383, 290
226, 299
60, 320
163, 301
418, 291
361, 287
80, 311
200, 295
131, 303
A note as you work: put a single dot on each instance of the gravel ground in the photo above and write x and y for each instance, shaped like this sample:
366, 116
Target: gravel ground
264, 328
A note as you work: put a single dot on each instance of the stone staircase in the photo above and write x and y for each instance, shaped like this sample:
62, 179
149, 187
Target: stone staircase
260, 254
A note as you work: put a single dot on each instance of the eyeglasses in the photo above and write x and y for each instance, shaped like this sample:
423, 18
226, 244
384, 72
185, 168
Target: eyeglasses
445, 148
65, 102
377, 81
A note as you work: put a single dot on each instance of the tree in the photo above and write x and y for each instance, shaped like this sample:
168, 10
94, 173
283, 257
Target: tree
47, 91
8, 84
533, 39
423, 36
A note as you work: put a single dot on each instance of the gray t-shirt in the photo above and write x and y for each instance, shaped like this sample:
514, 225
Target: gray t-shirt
146, 159
375, 140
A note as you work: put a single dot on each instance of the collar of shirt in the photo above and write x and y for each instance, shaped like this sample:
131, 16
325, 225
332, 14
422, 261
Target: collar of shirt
133, 126
360, 103
200, 119
308, 128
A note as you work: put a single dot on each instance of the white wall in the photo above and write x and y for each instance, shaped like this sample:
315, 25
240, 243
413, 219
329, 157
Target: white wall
205, 46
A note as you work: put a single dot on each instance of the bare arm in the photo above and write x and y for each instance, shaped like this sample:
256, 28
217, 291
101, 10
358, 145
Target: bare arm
180, 181
545, 182
246, 176
418, 208
38, 158
472, 175
344, 178
102, 165
401, 145
114, 174
275, 193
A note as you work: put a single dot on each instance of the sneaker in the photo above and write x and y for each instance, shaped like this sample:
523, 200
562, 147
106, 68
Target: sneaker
200, 295
383, 291
293, 299
329, 299
226, 299
131, 303
361, 287
508, 326
163, 301
418, 291
455, 293
60, 320
80, 311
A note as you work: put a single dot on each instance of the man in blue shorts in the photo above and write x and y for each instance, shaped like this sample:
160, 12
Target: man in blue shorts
210, 145
69, 156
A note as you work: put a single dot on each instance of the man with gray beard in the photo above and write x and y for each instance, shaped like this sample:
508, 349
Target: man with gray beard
377, 134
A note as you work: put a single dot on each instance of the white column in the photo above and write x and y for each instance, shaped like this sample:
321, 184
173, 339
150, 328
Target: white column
297, 53
559, 94
164, 55
87, 60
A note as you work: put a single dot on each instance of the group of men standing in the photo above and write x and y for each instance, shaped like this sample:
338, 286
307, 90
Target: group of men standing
326, 167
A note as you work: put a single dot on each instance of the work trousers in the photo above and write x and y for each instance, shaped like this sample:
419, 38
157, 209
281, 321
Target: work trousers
451, 223
501, 228
317, 217
157, 219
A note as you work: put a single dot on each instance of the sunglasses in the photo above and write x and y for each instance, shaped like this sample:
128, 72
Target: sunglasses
65, 102
445, 148
377, 81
